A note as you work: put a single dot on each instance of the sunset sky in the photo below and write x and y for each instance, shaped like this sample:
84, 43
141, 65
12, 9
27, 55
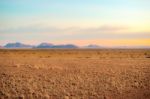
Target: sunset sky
80, 22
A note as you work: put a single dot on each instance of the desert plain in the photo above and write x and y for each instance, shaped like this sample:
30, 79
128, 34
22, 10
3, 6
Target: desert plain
74, 73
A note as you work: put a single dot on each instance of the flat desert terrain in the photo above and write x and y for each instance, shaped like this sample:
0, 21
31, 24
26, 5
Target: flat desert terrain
75, 74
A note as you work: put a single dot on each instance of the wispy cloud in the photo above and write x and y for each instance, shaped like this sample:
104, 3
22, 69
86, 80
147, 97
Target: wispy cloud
52, 33
38, 29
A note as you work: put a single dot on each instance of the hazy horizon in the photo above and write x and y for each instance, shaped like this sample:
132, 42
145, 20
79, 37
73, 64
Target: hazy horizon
79, 46
100, 22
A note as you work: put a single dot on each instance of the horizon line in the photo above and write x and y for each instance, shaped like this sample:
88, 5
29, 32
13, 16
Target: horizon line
80, 46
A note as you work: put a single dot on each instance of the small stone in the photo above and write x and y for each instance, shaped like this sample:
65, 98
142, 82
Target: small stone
66, 97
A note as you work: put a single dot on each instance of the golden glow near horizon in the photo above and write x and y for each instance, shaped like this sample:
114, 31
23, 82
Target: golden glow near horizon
109, 42
101, 22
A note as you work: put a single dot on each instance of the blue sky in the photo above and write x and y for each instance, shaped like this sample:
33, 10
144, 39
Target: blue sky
71, 21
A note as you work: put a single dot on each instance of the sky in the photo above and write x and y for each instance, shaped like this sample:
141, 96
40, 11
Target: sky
80, 22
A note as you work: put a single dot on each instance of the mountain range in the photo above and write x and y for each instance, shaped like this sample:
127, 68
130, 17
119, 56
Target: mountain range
42, 45
17, 45
65, 46
49, 45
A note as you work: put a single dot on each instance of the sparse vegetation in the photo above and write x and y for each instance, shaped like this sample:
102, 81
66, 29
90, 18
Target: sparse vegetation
68, 74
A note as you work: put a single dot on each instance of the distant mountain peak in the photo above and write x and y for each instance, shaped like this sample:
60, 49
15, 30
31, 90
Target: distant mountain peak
45, 45
49, 45
65, 46
92, 46
17, 45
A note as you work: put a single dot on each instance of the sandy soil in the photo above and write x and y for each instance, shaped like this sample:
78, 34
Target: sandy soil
74, 74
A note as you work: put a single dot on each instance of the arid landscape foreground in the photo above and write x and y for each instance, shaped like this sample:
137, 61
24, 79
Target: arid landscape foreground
75, 74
